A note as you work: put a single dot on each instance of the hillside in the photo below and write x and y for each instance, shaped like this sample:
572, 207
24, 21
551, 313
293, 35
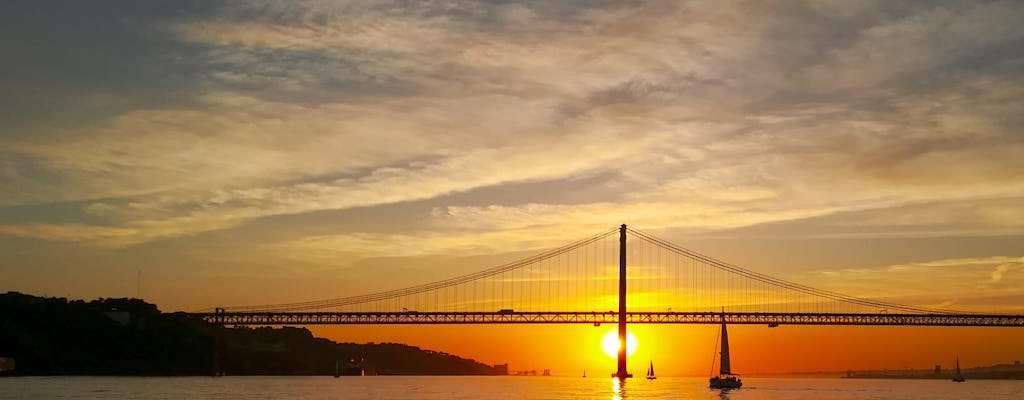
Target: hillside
55, 336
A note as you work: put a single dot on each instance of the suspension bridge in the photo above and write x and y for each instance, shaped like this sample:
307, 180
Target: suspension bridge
590, 281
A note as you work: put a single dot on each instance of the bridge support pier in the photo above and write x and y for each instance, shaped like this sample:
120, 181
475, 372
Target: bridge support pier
621, 372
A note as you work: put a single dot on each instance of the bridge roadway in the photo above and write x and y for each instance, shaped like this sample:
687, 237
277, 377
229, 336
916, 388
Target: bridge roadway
605, 317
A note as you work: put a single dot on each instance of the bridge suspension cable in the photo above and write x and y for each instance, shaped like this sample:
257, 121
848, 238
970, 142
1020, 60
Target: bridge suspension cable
782, 284
492, 273
582, 277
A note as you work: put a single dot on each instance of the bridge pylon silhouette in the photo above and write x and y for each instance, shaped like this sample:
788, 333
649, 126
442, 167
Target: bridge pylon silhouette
621, 371
575, 284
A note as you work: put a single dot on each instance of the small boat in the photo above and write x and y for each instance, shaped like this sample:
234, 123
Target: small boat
337, 369
650, 372
584, 373
725, 379
958, 377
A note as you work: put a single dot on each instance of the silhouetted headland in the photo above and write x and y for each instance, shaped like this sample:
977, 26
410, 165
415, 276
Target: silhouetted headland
55, 336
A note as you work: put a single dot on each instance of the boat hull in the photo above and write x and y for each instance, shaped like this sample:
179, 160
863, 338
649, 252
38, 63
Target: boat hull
725, 382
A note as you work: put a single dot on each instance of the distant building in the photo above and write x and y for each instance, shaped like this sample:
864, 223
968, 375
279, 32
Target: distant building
501, 369
124, 318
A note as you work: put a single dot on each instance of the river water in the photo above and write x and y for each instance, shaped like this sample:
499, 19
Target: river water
506, 387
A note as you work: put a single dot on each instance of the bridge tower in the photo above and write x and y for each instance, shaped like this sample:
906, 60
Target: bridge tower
621, 372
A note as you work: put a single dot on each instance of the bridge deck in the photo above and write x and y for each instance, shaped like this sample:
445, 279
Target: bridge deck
609, 317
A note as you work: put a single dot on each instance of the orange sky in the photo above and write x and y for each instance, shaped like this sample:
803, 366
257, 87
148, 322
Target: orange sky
686, 350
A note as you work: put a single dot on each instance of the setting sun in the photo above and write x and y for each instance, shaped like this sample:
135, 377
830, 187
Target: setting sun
610, 343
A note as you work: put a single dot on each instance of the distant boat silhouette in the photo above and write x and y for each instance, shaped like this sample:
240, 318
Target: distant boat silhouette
584, 373
725, 379
650, 372
958, 377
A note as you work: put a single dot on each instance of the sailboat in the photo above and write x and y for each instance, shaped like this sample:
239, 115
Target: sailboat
725, 379
584, 373
958, 377
337, 369
650, 372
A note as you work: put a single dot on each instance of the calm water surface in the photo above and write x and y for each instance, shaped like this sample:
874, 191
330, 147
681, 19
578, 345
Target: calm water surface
454, 388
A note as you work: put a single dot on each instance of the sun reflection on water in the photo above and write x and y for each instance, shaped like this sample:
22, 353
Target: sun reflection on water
618, 389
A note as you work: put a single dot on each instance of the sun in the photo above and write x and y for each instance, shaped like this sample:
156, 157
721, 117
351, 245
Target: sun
610, 343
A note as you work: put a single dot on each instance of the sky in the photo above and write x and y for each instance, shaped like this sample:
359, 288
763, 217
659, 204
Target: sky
207, 153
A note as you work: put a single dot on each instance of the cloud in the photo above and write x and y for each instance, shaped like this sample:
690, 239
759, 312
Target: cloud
809, 110
73, 64
69, 232
923, 41
162, 216
468, 231
1001, 270
978, 283
956, 262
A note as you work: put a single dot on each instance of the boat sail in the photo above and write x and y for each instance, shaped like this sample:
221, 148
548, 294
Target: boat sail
958, 377
725, 379
337, 369
650, 372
